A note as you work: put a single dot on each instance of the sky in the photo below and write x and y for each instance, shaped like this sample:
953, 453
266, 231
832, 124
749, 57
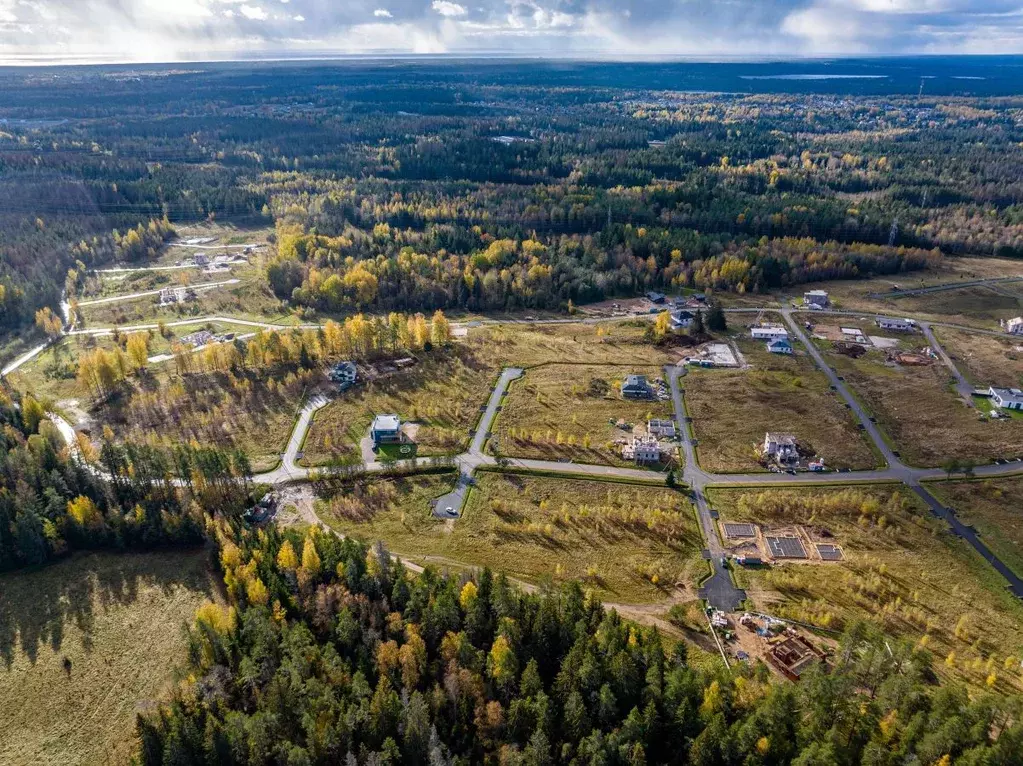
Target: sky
33, 31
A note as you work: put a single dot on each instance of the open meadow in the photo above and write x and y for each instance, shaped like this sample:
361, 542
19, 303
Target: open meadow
87, 643
986, 360
627, 542
994, 507
571, 411
441, 395
920, 412
733, 409
896, 571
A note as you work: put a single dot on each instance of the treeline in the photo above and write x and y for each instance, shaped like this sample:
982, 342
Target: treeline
52, 503
329, 652
391, 269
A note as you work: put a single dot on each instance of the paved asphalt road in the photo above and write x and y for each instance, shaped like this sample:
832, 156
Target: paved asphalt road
945, 286
719, 589
962, 384
147, 293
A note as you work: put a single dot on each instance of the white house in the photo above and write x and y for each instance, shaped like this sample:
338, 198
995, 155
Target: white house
816, 299
768, 332
781, 447
898, 324
779, 346
1014, 325
1007, 398
645, 449
386, 429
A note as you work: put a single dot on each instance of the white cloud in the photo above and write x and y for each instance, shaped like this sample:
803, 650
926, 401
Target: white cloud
383, 13
298, 17
254, 12
448, 9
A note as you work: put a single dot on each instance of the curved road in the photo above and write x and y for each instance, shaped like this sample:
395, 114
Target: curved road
719, 588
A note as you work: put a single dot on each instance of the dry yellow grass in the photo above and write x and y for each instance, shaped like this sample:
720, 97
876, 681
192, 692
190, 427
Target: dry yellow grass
733, 409
918, 409
565, 411
985, 360
118, 619
896, 572
995, 508
629, 543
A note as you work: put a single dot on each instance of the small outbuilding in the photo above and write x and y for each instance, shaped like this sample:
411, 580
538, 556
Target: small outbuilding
654, 297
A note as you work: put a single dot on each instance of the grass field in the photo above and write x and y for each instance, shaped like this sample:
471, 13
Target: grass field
442, 394
254, 412
626, 542
985, 360
566, 411
251, 299
918, 409
995, 508
896, 572
733, 409
118, 619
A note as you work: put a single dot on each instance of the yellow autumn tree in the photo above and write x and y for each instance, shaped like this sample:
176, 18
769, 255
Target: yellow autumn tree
440, 329
502, 664
84, 512
468, 595
138, 349
287, 559
310, 558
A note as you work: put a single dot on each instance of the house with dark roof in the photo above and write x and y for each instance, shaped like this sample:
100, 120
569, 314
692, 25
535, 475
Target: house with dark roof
636, 387
779, 346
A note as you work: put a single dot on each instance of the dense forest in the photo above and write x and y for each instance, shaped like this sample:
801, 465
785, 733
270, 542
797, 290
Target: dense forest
498, 187
52, 504
329, 652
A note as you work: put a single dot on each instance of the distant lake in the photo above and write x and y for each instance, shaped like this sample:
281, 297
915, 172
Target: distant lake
814, 77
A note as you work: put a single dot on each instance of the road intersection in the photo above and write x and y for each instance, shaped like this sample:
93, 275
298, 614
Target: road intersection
719, 589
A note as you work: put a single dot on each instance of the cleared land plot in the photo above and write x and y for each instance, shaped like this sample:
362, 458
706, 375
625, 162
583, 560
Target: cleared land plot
733, 409
570, 411
995, 508
252, 411
118, 620
251, 299
985, 360
920, 412
626, 542
455, 391
896, 571
442, 395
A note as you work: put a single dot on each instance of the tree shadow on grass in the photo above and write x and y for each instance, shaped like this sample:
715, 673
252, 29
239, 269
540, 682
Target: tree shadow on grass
37, 605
